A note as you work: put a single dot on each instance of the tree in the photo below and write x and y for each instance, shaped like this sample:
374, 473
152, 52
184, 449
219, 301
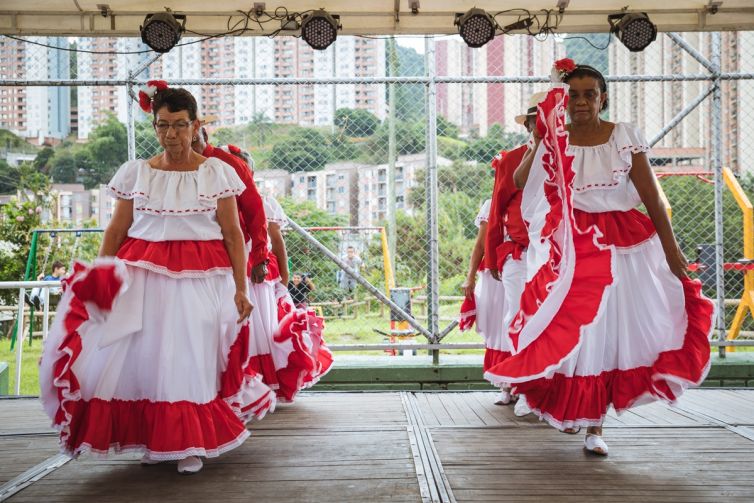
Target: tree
497, 139
9, 178
304, 258
261, 126
356, 123
147, 145
17, 219
409, 97
63, 167
409, 138
474, 180
446, 128
108, 149
304, 150
342, 149
41, 162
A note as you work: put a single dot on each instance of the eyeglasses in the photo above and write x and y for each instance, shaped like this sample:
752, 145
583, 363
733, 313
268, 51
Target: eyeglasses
179, 126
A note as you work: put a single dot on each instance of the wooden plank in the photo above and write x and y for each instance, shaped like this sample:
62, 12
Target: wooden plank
344, 466
664, 464
729, 406
337, 410
432, 409
23, 416
19, 453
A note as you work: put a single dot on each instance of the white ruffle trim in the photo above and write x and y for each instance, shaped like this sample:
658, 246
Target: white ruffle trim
590, 163
161, 192
484, 214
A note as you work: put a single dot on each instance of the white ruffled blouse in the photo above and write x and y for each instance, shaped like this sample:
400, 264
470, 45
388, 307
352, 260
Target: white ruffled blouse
175, 205
601, 180
484, 214
274, 212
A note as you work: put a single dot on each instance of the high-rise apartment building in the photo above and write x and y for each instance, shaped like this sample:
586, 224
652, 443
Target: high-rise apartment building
653, 105
111, 58
475, 107
37, 113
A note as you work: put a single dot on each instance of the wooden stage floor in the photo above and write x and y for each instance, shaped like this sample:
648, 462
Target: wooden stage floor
412, 446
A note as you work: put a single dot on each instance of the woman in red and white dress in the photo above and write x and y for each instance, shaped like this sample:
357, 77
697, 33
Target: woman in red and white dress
485, 303
149, 351
287, 346
608, 316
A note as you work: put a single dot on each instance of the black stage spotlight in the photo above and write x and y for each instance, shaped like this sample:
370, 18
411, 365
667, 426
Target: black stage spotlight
161, 31
476, 27
320, 29
634, 30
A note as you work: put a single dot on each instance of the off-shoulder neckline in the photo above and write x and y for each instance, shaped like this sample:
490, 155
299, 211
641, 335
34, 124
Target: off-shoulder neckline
158, 170
599, 145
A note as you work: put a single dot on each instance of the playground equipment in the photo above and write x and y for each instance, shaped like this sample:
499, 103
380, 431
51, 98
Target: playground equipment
359, 238
31, 271
706, 252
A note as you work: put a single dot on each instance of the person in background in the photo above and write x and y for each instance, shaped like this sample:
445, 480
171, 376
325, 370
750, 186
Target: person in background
250, 207
58, 273
299, 289
353, 261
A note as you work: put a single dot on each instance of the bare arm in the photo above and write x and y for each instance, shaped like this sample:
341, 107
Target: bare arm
117, 229
476, 258
227, 217
646, 185
310, 284
279, 250
522, 171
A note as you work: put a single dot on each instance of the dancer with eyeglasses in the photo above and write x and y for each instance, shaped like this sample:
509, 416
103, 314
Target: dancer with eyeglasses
149, 351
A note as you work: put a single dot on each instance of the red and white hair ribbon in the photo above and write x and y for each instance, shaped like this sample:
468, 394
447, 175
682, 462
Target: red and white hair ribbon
146, 94
561, 68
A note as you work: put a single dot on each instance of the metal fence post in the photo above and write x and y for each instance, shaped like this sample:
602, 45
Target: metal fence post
130, 126
433, 271
20, 339
717, 167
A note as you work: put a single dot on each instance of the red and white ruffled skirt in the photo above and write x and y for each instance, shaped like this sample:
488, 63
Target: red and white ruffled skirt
140, 360
603, 321
287, 348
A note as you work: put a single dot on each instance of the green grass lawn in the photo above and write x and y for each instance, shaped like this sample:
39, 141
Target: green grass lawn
29, 369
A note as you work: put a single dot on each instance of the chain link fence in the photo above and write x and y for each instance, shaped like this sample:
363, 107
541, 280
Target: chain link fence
381, 147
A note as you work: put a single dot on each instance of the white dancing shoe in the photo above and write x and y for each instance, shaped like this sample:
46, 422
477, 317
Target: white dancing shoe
189, 465
147, 461
503, 398
522, 408
594, 443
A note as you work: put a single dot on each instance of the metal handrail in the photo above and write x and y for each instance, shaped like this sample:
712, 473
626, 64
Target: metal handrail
22, 287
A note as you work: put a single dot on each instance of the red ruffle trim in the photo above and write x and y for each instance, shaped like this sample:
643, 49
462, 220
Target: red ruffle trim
264, 365
512, 249
583, 400
310, 358
467, 317
623, 229
494, 357
179, 258
166, 430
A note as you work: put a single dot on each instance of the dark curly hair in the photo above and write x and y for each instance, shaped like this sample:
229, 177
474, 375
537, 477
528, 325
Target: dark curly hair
176, 99
589, 71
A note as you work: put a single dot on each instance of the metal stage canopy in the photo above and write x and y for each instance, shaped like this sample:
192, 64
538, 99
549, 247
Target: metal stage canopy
365, 17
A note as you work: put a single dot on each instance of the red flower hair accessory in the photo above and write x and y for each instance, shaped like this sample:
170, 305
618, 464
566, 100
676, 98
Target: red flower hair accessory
561, 68
146, 94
